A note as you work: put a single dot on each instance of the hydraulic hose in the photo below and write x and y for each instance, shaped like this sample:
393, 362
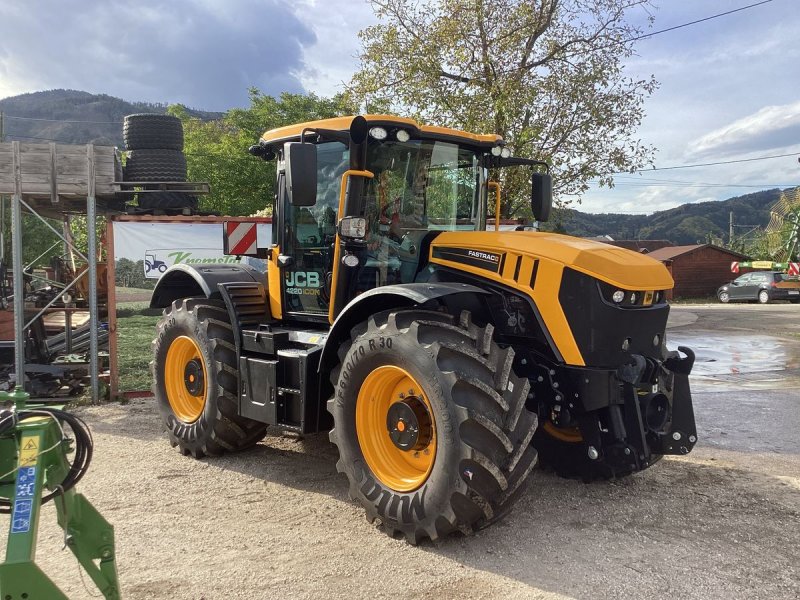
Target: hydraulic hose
84, 447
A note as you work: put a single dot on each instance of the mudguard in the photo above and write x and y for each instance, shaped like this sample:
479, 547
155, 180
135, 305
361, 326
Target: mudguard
184, 281
383, 298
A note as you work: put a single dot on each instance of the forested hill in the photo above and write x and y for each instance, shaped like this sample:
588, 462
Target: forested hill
73, 117
686, 224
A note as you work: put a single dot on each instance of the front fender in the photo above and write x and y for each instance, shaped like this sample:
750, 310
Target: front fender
184, 281
384, 298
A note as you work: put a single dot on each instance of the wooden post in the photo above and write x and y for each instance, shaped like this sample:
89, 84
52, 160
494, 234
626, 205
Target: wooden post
113, 362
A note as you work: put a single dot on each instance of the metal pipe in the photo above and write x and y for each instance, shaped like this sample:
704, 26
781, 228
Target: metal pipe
19, 289
91, 217
33, 262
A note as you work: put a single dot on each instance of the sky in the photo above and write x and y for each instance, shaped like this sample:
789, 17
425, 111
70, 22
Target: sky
729, 87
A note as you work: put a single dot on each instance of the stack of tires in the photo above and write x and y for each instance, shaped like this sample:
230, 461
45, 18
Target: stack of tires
155, 155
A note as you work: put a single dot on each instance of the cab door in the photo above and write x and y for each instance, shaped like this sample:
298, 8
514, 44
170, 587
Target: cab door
308, 238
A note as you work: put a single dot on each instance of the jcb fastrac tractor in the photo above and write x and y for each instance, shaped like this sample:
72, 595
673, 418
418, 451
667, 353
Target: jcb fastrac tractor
441, 355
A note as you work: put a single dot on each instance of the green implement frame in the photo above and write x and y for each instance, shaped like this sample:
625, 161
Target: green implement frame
35, 452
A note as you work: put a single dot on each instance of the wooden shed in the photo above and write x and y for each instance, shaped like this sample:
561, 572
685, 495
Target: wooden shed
698, 270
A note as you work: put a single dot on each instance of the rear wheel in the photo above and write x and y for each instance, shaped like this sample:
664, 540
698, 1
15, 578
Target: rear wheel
194, 380
430, 423
763, 297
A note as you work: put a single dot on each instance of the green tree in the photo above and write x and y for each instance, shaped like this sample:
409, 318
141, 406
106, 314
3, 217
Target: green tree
548, 76
216, 151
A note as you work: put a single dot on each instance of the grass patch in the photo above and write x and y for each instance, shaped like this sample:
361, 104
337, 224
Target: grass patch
136, 327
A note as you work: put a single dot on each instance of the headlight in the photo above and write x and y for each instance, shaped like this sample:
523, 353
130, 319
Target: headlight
379, 133
402, 135
618, 296
496, 150
633, 297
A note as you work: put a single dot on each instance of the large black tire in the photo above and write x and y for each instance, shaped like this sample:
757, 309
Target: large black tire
219, 428
143, 131
155, 165
571, 459
483, 454
167, 200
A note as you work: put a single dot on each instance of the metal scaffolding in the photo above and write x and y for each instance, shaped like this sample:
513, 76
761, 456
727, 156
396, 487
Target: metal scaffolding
68, 194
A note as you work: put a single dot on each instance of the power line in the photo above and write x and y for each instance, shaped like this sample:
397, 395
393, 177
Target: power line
64, 121
647, 35
31, 137
711, 164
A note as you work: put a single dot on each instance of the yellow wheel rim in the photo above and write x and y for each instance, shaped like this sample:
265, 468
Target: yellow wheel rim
185, 379
391, 406
571, 435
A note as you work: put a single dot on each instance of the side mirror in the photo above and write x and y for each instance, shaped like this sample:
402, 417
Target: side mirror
300, 164
541, 196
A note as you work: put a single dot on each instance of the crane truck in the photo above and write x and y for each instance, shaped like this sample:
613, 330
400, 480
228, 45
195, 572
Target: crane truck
443, 355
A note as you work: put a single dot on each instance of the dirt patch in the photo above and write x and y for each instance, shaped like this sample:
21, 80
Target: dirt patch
275, 521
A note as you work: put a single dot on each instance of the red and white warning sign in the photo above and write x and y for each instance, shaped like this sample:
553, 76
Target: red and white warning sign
240, 238
794, 268
734, 267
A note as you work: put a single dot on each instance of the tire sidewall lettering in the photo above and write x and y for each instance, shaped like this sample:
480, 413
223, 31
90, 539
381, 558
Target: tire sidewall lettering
372, 350
185, 323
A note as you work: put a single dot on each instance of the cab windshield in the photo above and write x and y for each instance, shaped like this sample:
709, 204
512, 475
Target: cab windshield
422, 185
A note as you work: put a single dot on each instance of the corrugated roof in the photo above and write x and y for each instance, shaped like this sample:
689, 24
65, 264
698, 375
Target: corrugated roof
671, 252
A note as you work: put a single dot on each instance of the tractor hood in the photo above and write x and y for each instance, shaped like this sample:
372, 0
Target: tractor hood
617, 266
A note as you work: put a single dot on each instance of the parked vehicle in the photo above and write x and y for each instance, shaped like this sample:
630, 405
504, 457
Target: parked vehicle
761, 286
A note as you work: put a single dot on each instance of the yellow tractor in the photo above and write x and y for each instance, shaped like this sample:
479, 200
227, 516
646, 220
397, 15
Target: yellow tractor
442, 355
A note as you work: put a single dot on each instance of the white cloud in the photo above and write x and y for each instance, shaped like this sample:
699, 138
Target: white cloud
768, 128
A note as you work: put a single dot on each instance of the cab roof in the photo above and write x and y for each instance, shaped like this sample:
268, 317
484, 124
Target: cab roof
289, 132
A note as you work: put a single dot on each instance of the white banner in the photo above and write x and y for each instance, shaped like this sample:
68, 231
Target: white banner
160, 245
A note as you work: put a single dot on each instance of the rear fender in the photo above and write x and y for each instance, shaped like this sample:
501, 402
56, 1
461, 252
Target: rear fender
184, 281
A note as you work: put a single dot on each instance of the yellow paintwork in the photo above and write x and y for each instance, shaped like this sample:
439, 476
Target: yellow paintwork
400, 470
337, 251
186, 407
619, 267
274, 284
343, 124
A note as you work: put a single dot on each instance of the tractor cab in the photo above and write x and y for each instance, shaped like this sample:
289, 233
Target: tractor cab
359, 201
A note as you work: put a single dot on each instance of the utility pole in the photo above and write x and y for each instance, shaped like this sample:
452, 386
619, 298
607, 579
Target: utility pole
2, 129
730, 232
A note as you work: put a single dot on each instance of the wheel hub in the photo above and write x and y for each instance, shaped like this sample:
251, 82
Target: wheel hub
193, 377
409, 424
396, 428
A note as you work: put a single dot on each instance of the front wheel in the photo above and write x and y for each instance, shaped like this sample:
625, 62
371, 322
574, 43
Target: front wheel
763, 297
724, 297
194, 380
430, 423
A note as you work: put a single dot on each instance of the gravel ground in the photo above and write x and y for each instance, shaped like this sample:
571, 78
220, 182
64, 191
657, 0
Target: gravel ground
275, 521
